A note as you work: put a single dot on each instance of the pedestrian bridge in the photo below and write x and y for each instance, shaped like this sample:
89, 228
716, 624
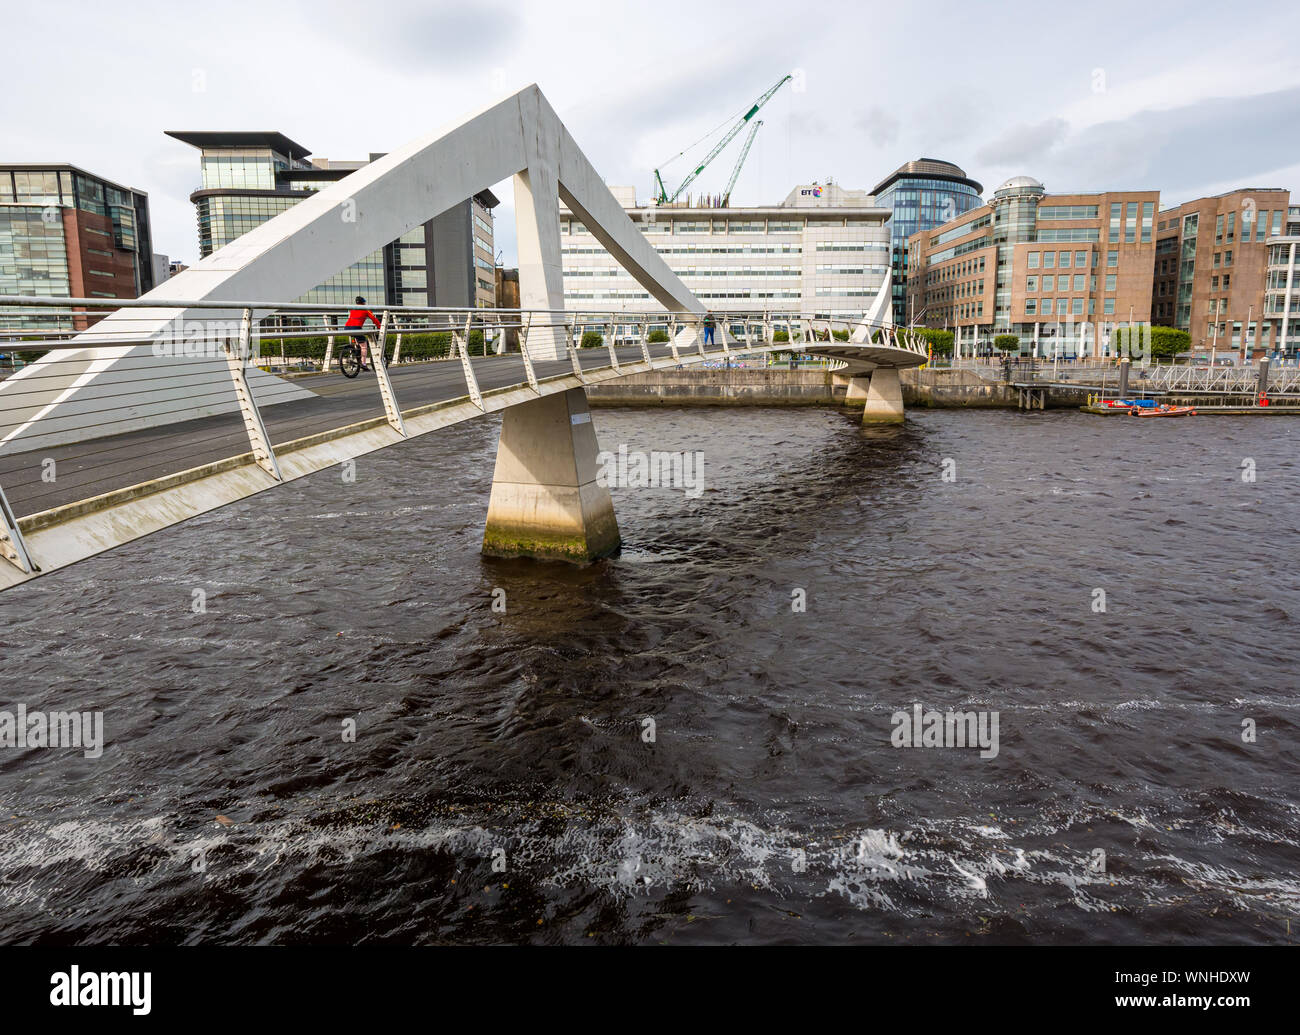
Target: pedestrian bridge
213, 388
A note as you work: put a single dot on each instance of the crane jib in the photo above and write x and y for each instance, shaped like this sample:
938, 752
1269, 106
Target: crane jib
662, 195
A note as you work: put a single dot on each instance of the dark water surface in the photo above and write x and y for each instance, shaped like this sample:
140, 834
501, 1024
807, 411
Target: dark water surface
480, 732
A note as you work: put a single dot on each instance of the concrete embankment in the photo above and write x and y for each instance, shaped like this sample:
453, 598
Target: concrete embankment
735, 387
960, 389
739, 387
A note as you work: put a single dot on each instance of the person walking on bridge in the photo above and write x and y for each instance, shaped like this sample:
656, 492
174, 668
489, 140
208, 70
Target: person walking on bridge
708, 329
356, 321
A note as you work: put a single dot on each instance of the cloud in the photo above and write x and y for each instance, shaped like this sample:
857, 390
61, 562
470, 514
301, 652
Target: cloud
422, 38
880, 127
1026, 145
1224, 139
940, 121
636, 85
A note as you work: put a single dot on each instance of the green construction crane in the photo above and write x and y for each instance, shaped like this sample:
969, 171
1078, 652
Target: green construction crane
744, 153
662, 197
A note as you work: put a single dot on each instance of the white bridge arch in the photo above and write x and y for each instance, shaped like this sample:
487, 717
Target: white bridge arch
545, 501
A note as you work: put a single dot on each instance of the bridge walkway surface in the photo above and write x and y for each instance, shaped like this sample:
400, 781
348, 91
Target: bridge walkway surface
90, 468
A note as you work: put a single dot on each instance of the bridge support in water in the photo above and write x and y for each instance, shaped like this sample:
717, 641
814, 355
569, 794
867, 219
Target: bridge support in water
546, 502
856, 392
884, 404
880, 394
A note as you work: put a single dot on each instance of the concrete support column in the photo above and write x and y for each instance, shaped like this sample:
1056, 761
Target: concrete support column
541, 278
858, 390
546, 502
884, 403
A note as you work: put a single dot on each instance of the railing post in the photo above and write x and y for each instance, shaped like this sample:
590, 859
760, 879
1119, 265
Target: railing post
573, 350
397, 350
523, 351
329, 349
236, 362
462, 347
391, 409
12, 547
644, 325
613, 356
672, 340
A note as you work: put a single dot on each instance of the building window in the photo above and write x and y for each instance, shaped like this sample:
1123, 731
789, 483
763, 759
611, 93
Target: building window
1067, 212
1112, 259
1109, 308
1033, 260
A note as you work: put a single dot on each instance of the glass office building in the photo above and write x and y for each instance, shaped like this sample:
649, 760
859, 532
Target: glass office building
250, 177
65, 233
922, 195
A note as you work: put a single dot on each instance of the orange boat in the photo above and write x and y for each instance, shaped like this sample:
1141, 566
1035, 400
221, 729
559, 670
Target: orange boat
1165, 411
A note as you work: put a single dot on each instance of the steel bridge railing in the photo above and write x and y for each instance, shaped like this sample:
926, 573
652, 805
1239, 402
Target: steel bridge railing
90, 407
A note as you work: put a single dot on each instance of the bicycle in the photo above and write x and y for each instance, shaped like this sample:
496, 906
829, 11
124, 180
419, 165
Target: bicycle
350, 358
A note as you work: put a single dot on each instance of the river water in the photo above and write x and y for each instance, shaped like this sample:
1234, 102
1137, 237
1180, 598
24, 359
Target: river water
1113, 590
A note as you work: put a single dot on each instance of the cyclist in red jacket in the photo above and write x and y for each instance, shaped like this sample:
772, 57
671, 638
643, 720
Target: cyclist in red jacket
356, 321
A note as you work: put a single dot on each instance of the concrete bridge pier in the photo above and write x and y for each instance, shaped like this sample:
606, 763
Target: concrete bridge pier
546, 502
884, 402
857, 391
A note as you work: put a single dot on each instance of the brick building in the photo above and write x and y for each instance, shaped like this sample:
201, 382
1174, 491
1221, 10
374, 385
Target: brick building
1211, 268
1057, 270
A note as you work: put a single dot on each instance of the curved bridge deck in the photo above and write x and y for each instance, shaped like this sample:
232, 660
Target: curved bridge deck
70, 500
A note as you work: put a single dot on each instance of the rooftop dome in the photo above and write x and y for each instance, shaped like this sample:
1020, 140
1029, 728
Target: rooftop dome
1021, 183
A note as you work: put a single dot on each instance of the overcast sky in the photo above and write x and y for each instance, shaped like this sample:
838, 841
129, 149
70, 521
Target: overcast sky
1189, 98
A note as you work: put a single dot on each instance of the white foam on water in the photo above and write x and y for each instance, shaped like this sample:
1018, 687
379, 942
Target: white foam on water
621, 848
